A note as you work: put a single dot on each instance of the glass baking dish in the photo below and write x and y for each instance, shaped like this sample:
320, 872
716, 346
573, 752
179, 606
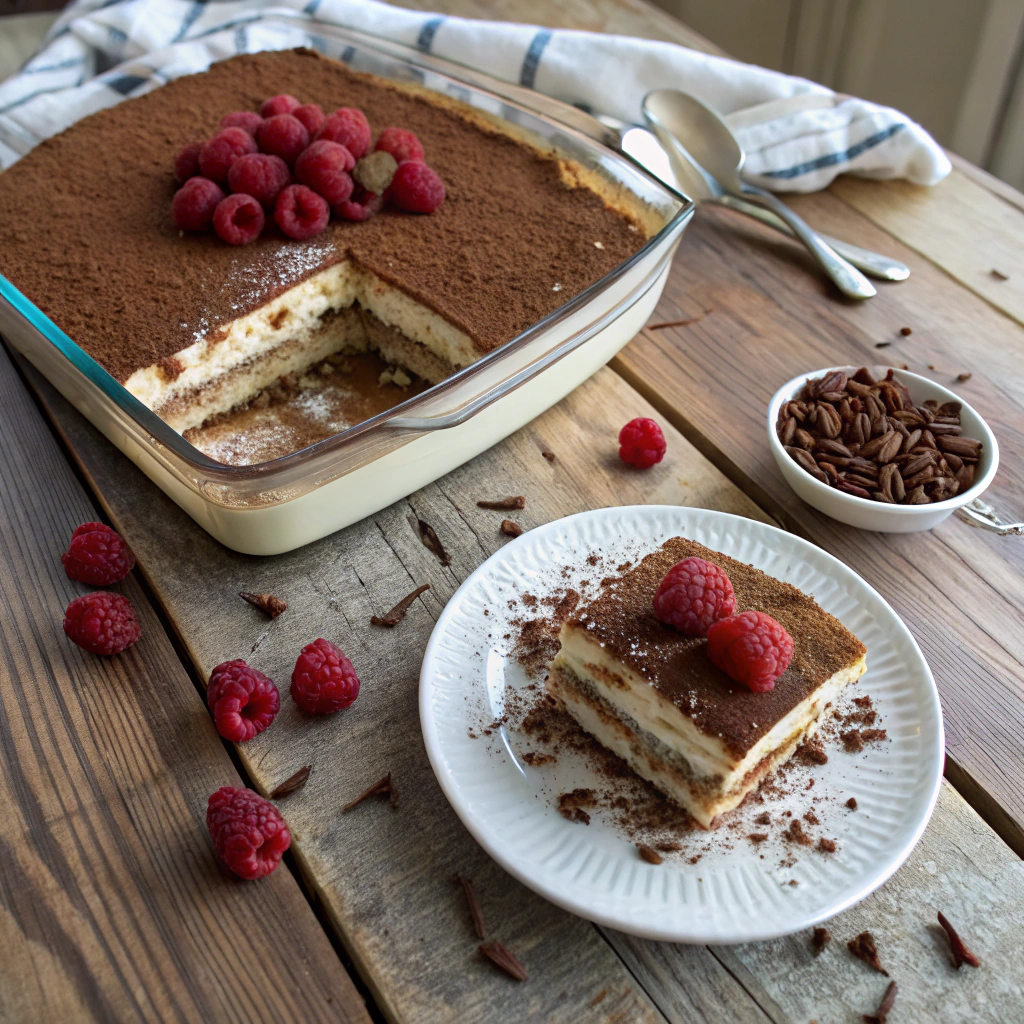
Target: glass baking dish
275, 506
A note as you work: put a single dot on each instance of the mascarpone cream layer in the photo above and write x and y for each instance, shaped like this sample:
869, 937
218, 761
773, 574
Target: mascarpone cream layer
294, 316
707, 755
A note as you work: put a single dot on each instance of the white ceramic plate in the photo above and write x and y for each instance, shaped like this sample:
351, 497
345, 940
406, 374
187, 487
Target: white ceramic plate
732, 894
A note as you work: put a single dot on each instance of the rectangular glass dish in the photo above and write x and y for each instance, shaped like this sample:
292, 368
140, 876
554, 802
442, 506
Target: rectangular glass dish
275, 506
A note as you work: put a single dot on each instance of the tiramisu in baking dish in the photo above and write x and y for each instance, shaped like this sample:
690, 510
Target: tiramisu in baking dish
653, 695
195, 327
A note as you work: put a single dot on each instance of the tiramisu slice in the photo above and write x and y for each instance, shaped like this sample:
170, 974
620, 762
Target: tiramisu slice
651, 695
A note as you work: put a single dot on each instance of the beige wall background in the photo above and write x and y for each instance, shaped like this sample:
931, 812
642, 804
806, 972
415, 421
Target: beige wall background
953, 65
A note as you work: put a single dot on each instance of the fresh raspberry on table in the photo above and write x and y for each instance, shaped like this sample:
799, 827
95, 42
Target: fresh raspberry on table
97, 555
694, 594
359, 209
194, 203
186, 163
401, 143
300, 213
751, 648
348, 126
641, 443
248, 832
282, 103
283, 136
247, 120
238, 219
220, 152
242, 700
311, 115
324, 167
101, 622
416, 188
261, 176
323, 680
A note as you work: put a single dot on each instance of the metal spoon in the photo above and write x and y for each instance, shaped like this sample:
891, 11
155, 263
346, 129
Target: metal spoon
663, 156
711, 142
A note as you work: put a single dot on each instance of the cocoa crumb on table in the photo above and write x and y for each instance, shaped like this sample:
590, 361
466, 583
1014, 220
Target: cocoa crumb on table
550, 456
961, 954
881, 1015
510, 528
821, 938
382, 787
504, 504
502, 957
429, 539
292, 783
267, 603
863, 948
475, 913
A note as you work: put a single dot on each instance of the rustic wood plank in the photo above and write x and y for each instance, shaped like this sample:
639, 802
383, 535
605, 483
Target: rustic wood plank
960, 868
112, 906
959, 589
959, 224
384, 877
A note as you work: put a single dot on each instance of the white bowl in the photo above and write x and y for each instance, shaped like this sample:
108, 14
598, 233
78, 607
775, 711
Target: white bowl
879, 516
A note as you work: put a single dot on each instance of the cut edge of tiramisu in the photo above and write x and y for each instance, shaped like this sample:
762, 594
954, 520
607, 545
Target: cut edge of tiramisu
652, 696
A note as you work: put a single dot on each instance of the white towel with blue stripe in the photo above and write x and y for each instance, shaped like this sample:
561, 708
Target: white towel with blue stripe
798, 135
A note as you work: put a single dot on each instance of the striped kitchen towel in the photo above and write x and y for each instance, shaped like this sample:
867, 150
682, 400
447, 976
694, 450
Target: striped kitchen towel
798, 135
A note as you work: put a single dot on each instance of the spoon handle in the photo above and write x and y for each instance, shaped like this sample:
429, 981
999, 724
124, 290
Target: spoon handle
885, 268
847, 278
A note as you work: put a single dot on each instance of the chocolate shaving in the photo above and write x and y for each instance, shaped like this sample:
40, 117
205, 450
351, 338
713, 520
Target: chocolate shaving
383, 787
292, 783
961, 954
504, 504
821, 938
882, 344
679, 323
502, 957
999, 275
550, 456
474, 905
906, 332
649, 854
510, 528
267, 603
395, 616
429, 539
881, 1015
863, 948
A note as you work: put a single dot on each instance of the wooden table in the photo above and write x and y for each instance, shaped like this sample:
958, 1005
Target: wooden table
112, 906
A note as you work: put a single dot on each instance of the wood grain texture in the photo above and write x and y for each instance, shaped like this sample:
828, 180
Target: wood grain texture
960, 867
384, 876
959, 224
960, 590
112, 905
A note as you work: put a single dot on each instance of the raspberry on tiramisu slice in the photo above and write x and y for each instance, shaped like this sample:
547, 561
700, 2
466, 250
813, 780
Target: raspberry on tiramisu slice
652, 695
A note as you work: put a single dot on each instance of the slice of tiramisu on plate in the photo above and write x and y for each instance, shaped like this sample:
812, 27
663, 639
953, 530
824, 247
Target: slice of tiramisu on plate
651, 694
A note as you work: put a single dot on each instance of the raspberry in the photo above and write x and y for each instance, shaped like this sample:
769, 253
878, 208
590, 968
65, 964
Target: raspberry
284, 136
193, 204
238, 219
248, 832
259, 175
401, 143
300, 212
243, 702
101, 622
280, 104
694, 594
751, 648
348, 126
641, 443
323, 166
359, 209
186, 163
247, 120
220, 152
416, 188
97, 555
311, 115
323, 680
